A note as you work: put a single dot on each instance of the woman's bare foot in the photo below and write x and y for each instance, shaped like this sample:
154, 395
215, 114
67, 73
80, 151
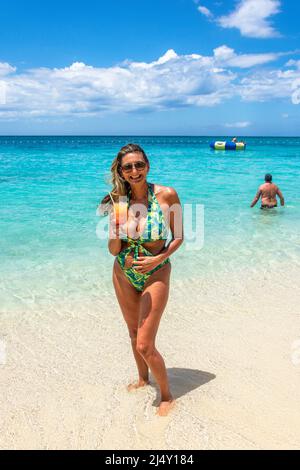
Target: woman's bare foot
136, 385
165, 407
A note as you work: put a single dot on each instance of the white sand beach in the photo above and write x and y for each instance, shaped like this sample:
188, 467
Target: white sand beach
228, 345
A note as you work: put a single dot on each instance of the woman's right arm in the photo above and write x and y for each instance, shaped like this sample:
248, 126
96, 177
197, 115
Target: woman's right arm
114, 246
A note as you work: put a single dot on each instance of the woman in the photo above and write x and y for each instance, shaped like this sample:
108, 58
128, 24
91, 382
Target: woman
142, 267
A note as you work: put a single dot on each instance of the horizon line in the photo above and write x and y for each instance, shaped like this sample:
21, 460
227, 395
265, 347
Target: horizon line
145, 135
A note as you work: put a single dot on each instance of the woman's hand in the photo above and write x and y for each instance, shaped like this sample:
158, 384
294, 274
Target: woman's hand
144, 264
129, 260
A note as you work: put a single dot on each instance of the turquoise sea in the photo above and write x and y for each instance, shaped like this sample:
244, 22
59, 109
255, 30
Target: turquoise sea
50, 188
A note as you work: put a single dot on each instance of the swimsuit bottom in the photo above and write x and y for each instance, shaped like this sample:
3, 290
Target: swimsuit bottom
265, 206
136, 278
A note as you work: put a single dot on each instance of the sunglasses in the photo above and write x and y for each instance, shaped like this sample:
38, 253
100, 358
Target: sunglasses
128, 167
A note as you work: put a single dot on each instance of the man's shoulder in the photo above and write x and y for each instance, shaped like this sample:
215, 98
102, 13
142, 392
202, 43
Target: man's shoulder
268, 186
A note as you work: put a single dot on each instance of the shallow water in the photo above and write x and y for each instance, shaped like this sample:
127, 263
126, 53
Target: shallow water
50, 188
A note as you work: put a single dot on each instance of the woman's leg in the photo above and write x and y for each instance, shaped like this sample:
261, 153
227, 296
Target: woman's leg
153, 301
129, 301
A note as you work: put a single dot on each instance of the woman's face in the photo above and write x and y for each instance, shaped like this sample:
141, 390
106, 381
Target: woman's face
134, 168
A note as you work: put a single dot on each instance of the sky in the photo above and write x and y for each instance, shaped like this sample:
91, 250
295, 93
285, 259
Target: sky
150, 67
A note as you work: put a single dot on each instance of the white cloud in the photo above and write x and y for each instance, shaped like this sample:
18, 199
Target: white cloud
251, 17
227, 56
169, 55
2, 92
271, 85
6, 69
293, 63
172, 81
238, 125
205, 11
296, 91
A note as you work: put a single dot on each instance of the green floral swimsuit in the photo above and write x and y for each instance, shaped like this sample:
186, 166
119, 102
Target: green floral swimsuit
155, 229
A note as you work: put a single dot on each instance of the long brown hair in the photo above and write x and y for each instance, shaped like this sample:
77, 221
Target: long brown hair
120, 187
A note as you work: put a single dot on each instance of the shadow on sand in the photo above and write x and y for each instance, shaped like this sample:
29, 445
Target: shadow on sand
183, 381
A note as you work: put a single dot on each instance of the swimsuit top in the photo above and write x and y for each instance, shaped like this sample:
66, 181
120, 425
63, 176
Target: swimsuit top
156, 227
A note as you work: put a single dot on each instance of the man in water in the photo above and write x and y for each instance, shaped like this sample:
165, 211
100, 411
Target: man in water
268, 192
236, 141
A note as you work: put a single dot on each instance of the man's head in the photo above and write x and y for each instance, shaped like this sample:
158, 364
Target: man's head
268, 178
